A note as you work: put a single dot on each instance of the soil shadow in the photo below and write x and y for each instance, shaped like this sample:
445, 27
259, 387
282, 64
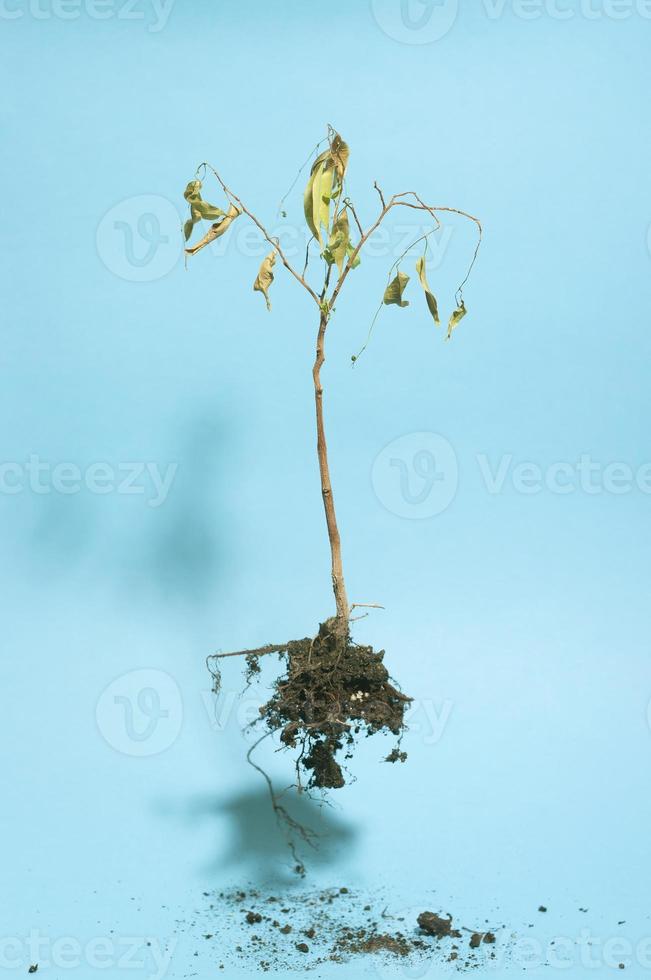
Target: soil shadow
250, 841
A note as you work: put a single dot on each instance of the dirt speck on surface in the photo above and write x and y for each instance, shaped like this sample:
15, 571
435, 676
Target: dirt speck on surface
332, 925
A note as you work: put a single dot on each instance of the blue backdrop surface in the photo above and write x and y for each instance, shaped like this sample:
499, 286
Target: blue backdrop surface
159, 496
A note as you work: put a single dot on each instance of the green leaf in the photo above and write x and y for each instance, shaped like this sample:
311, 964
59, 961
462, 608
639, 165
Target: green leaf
339, 241
395, 289
308, 198
207, 211
429, 295
265, 277
456, 317
187, 228
321, 195
325, 183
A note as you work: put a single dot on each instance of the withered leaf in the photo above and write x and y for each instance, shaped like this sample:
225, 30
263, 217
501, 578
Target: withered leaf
395, 289
339, 242
199, 208
457, 316
322, 185
265, 277
432, 305
216, 230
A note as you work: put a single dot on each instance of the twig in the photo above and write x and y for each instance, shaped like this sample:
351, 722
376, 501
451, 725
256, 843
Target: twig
269, 238
259, 652
349, 204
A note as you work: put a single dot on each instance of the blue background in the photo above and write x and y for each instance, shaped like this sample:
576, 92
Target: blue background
523, 618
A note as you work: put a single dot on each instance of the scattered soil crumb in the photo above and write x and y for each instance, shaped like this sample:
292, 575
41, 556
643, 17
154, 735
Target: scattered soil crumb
333, 925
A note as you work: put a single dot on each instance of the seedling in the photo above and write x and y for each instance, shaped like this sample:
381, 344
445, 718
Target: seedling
332, 689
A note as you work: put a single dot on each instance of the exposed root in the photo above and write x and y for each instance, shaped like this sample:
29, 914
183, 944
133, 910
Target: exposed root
332, 691
294, 829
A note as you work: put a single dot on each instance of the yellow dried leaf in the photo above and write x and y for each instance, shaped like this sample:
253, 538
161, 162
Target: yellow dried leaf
432, 305
216, 230
395, 289
265, 277
456, 317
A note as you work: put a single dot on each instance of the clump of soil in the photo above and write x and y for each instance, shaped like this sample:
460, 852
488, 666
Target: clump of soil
435, 925
333, 690
298, 931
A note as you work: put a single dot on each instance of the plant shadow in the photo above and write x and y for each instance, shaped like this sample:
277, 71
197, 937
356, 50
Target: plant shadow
252, 840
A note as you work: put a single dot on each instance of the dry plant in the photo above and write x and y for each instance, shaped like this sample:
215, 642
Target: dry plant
332, 689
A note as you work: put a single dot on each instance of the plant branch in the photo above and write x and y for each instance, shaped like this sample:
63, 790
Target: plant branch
396, 201
268, 237
259, 652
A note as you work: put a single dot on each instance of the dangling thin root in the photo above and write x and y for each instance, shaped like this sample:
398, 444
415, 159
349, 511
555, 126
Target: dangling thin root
285, 820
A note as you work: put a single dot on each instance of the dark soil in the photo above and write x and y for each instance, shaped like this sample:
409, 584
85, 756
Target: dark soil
332, 691
435, 925
298, 931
